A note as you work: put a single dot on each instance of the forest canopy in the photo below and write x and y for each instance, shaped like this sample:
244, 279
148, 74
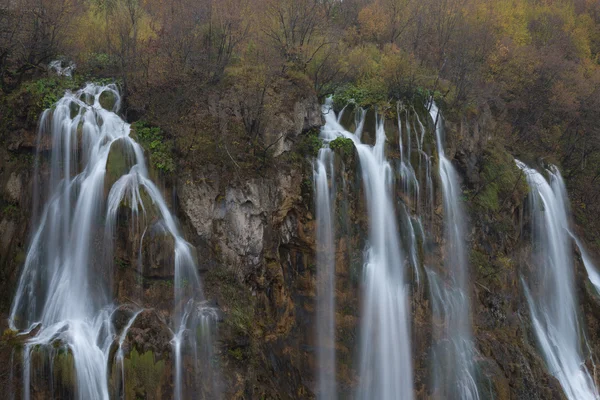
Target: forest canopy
533, 64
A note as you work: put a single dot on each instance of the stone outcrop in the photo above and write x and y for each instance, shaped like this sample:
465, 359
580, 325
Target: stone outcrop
254, 235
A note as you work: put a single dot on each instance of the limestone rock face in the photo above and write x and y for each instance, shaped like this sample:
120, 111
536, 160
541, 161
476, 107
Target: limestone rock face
14, 188
198, 200
287, 126
238, 218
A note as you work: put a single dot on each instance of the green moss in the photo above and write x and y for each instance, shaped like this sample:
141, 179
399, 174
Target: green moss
236, 353
119, 161
488, 197
235, 298
47, 91
481, 263
20, 257
11, 210
107, 100
143, 375
364, 94
8, 335
383, 96
239, 319
152, 139
64, 369
502, 181
121, 263
26, 103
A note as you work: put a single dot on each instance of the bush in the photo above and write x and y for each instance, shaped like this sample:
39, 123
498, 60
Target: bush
343, 146
310, 143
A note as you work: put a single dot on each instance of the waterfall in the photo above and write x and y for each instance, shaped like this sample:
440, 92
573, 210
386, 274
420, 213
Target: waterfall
550, 291
65, 290
323, 175
385, 353
453, 369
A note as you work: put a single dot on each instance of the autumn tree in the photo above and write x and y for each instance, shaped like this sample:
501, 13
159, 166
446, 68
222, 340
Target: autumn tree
31, 32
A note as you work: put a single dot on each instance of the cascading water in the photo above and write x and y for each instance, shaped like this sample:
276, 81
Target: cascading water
323, 175
453, 369
411, 225
591, 269
385, 352
550, 291
64, 293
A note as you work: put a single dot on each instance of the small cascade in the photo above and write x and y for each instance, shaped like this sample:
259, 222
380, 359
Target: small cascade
410, 183
385, 368
417, 195
120, 357
65, 289
550, 290
323, 180
453, 350
62, 68
590, 268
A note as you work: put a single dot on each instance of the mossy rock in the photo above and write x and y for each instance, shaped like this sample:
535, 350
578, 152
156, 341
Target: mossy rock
145, 205
502, 182
239, 305
64, 369
158, 251
87, 98
74, 109
108, 100
144, 376
119, 162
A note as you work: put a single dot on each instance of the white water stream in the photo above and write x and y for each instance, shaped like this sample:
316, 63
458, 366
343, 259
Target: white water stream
385, 353
65, 285
454, 353
550, 290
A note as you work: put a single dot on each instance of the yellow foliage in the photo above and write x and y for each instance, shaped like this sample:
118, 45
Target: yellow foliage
372, 21
510, 19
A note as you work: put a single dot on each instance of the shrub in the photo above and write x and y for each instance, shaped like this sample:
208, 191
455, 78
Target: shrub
343, 146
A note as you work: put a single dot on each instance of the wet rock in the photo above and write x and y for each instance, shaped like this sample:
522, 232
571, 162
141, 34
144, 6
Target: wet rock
108, 100
26, 140
119, 162
8, 229
158, 252
150, 332
122, 315
14, 188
